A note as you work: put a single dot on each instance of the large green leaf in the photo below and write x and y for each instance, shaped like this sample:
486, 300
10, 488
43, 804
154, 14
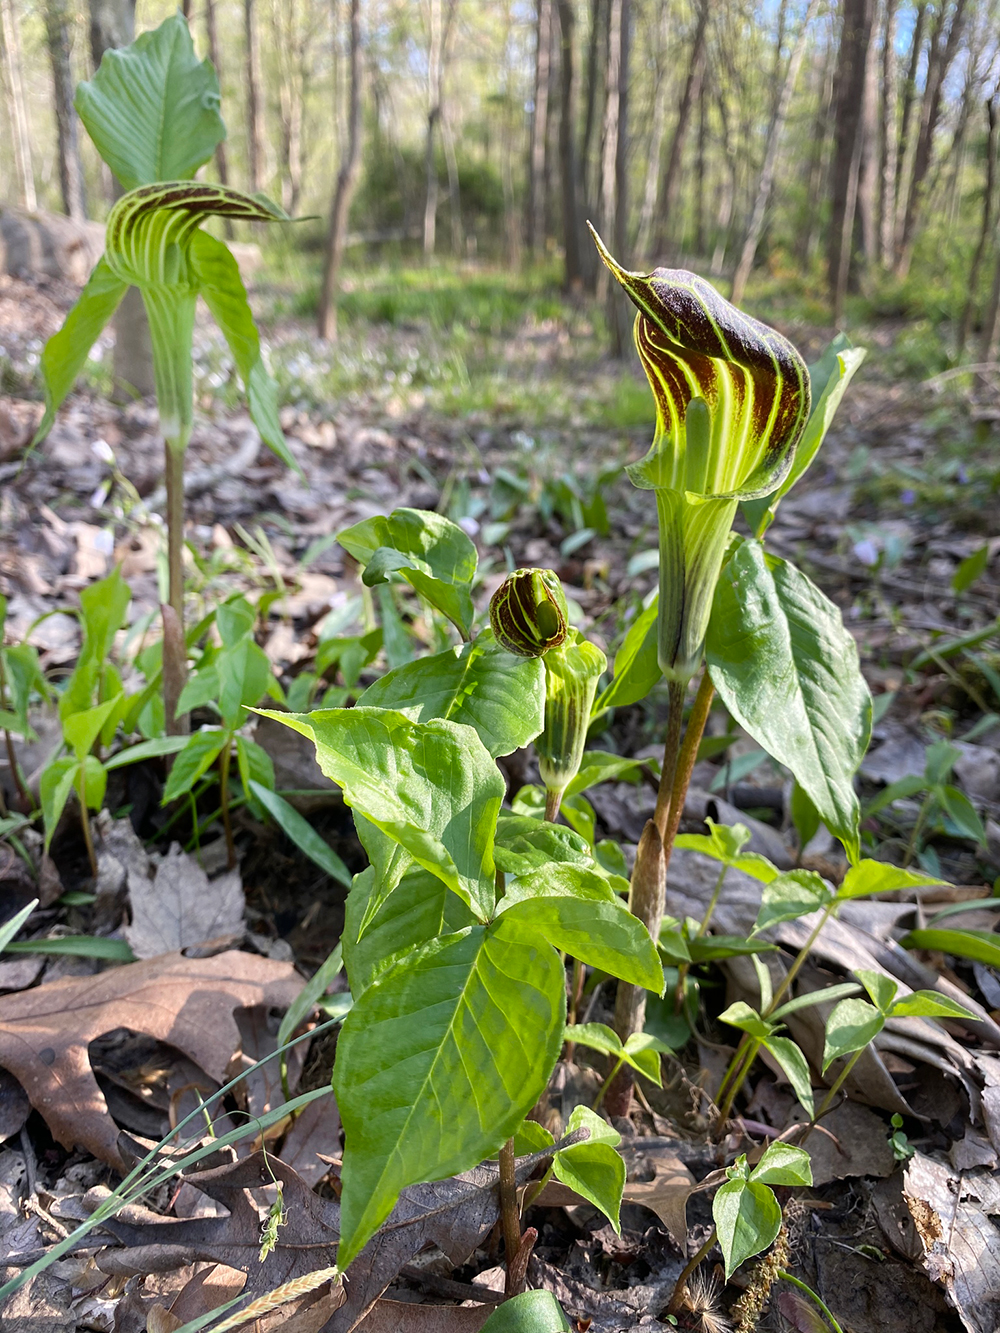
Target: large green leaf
829, 378
433, 554
498, 693
438, 1063
222, 289
431, 788
747, 1217
524, 844
152, 108
788, 672
637, 667
65, 353
578, 912
420, 909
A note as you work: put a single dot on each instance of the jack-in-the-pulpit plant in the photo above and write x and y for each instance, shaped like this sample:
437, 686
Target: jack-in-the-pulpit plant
152, 110
453, 934
732, 400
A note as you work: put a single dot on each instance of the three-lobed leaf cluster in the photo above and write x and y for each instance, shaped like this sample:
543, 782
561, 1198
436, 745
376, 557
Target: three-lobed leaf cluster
454, 933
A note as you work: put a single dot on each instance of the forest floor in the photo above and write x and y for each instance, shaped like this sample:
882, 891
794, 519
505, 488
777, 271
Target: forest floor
489, 399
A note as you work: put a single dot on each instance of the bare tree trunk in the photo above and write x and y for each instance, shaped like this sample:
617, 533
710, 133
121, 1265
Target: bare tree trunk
347, 179
290, 49
535, 219
992, 108
609, 135
868, 171
211, 36
255, 104
692, 86
656, 135
437, 44
774, 134
889, 141
112, 25
818, 160
852, 60
57, 21
907, 142
618, 306
598, 27
24, 166
568, 164
454, 193
727, 194
942, 54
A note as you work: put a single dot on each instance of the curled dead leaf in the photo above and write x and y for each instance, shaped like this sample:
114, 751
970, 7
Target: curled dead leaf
187, 1002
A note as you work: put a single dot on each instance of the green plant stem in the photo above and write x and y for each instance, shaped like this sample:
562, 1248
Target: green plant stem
23, 794
677, 1299
740, 1064
602, 1091
835, 1087
81, 788
224, 761
800, 959
726, 1104
700, 709
676, 691
174, 648
510, 1217
553, 800
785, 1276
918, 828
684, 968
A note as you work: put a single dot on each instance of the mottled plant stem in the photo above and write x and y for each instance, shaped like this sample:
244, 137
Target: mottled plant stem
81, 787
174, 648
224, 803
553, 799
510, 1217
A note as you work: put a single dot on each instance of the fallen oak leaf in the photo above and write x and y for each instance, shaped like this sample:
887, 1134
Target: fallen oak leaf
187, 1002
456, 1214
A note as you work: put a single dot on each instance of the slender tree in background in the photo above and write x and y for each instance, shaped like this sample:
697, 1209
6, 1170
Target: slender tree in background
950, 20
57, 37
670, 183
535, 210
440, 25
347, 179
610, 134
597, 44
658, 124
255, 101
766, 181
989, 192
112, 25
569, 170
852, 63
11, 36
889, 143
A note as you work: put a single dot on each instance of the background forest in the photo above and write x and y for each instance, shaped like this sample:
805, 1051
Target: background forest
822, 153
445, 849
